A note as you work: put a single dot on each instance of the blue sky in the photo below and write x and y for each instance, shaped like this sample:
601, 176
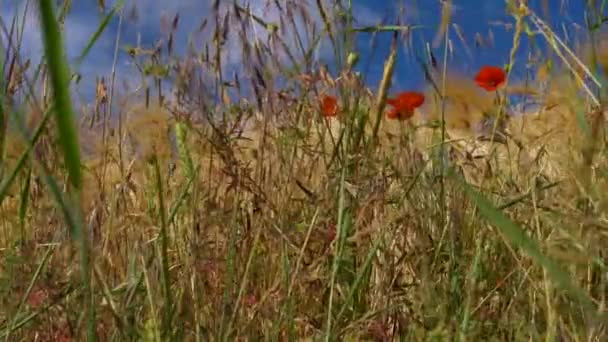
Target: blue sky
471, 16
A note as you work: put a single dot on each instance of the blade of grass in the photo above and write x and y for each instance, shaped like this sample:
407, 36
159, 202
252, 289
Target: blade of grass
102, 26
30, 317
181, 137
35, 277
164, 249
182, 196
65, 10
6, 184
230, 269
23, 203
385, 84
106, 292
288, 312
301, 253
527, 195
49, 181
287, 307
151, 324
529, 246
245, 279
471, 284
59, 76
337, 253
359, 279
69, 142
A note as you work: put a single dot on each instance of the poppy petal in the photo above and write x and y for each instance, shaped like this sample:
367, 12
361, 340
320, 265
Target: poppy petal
329, 106
404, 104
490, 77
392, 113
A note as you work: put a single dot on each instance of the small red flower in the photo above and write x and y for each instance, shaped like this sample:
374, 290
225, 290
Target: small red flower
404, 104
490, 77
329, 106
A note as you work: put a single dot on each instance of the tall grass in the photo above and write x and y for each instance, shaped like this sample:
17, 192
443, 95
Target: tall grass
232, 209
57, 67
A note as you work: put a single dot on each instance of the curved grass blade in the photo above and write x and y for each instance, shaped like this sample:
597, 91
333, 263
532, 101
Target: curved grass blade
59, 77
530, 246
102, 26
6, 184
69, 142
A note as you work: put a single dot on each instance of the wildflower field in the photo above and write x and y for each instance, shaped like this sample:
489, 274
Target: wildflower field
281, 198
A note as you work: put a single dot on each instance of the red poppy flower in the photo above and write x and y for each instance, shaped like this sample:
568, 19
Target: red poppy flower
490, 77
329, 106
404, 104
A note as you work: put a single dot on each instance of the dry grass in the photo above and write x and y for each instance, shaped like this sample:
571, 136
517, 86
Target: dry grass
259, 219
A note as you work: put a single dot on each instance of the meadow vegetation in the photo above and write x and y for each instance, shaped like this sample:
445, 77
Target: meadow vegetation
288, 202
